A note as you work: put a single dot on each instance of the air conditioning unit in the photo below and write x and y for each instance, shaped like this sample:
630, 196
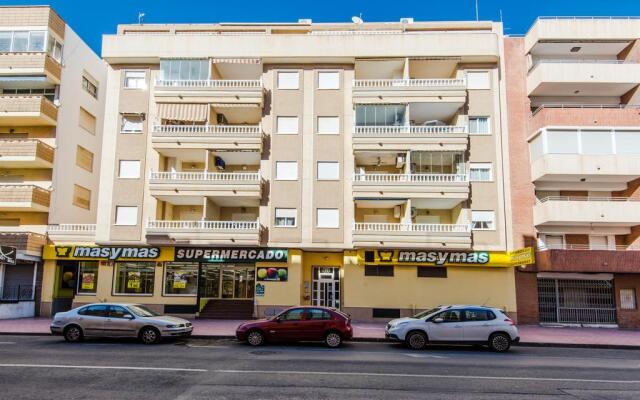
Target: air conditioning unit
407, 20
400, 160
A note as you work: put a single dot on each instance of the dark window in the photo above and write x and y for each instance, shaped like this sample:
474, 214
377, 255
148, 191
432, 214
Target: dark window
386, 313
478, 315
293, 315
378, 270
432, 272
94, 311
450, 316
316, 313
369, 256
118, 312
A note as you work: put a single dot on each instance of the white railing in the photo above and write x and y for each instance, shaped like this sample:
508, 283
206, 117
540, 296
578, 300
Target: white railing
358, 32
171, 226
566, 246
590, 17
410, 129
584, 198
211, 83
204, 176
393, 83
398, 227
72, 228
203, 130
412, 178
585, 106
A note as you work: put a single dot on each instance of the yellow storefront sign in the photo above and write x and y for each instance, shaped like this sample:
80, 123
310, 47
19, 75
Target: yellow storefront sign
448, 258
108, 253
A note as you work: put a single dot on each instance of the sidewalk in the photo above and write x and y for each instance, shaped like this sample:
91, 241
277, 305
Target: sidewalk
529, 334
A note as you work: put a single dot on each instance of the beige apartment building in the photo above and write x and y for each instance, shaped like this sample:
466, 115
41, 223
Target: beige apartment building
574, 133
51, 101
250, 167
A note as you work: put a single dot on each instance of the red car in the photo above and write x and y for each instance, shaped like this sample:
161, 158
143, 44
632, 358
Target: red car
299, 324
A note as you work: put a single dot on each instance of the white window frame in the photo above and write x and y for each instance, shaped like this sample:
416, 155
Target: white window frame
492, 221
281, 84
285, 210
127, 117
628, 299
126, 79
123, 208
278, 178
481, 165
335, 218
334, 164
471, 84
474, 117
280, 131
120, 169
326, 132
335, 86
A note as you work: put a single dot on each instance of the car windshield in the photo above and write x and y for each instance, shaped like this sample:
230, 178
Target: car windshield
142, 311
425, 313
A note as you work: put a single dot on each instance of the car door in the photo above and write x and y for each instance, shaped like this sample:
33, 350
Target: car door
449, 329
478, 324
120, 322
315, 323
287, 325
92, 319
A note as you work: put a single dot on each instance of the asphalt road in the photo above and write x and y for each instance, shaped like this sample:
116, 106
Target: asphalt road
48, 368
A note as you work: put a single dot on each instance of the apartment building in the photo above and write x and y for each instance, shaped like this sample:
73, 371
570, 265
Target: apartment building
51, 101
251, 167
574, 126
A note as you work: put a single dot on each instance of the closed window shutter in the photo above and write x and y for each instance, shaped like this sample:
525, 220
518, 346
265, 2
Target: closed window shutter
84, 158
87, 121
81, 197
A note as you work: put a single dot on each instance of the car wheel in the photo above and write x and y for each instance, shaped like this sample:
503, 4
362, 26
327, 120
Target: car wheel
149, 335
333, 339
73, 334
499, 342
416, 340
255, 338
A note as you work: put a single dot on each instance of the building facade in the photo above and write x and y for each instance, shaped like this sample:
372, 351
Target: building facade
51, 103
574, 126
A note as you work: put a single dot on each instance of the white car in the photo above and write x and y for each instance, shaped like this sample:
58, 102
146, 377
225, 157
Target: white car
475, 325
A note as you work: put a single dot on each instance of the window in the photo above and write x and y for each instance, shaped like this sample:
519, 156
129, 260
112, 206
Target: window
87, 121
286, 170
54, 48
478, 315
450, 316
596, 142
36, 41
135, 79
132, 123
483, 220
287, 125
479, 125
381, 115
478, 80
134, 278
99, 310
49, 94
184, 69
181, 279
627, 142
378, 270
536, 147
562, 142
288, 80
129, 169
328, 125
22, 41
84, 158
126, 215
328, 218
5, 42
316, 313
88, 277
431, 272
329, 80
628, 299
292, 315
328, 170
285, 217
90, 87
118, 312
81, 197
480, 172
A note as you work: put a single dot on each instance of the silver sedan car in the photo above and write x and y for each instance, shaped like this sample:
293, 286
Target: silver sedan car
118, 320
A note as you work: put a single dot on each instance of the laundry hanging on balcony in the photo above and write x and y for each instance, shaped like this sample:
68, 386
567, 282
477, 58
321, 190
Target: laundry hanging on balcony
183, 112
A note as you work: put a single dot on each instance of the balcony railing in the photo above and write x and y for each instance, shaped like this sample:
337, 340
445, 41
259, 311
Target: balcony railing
408, 83
211, 83
410, 178
584, 198
399, 227
25, 241
88, 229
584, 106
204, 130
26, 148
173, 226
600, 247
16, 103
161, 177
409, 129
24, 194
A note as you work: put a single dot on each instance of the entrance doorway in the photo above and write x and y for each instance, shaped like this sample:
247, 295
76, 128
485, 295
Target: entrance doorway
326, 287
227, 290
576, 301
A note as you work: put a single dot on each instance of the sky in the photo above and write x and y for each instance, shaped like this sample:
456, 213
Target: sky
93, 18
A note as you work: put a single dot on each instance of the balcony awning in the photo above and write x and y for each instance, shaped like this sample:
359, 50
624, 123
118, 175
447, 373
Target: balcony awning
183, 112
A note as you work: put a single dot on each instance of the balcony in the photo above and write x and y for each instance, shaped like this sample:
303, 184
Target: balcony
409, 90
30, 64
24, 198
246, 233
69, 233
402, 235
576, 258
587, 211
224, 184
450, 186
17, 110
223, 137
587, 115
26, 242
410, 137
28, 153
225, 91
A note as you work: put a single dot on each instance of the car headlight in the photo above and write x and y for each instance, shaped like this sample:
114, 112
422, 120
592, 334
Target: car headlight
172, 326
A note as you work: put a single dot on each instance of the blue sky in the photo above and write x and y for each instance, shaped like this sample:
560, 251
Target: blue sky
92, 18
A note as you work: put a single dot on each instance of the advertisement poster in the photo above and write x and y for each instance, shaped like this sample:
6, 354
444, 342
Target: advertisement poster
274, 274
133, 280
88, 281
259, 290
179, 280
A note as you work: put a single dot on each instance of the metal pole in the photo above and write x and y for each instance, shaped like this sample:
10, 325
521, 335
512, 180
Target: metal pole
477, 17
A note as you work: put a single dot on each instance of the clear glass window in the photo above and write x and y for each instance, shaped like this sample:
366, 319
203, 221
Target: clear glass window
36, 41
381, 115
134, 278
479, 125
181, 278
285, 217
88, 277
20, 41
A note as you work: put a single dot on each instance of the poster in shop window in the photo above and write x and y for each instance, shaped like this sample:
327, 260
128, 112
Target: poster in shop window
133, 280
179, 280
88, 281
274, 274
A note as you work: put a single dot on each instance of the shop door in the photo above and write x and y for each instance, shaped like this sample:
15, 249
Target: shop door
227, 282
326, 287
576, 301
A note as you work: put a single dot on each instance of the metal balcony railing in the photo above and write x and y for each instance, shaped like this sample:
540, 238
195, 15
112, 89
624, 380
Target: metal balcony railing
176, 226
410, 178
211, 83
584, 198
566, 246
400, 83
204, 130
399, 227
584, 106
409, 129
215, 177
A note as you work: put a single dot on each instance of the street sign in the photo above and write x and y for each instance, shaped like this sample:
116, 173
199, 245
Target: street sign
8, 255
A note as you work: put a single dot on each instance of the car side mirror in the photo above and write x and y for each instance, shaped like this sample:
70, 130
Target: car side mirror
127, 316
277, 319
437, 320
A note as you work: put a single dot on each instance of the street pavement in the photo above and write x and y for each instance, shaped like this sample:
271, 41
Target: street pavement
45, 367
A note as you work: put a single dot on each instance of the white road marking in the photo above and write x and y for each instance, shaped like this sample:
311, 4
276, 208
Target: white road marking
7, 342
208, 347
101, 367
503, 378
423, 355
